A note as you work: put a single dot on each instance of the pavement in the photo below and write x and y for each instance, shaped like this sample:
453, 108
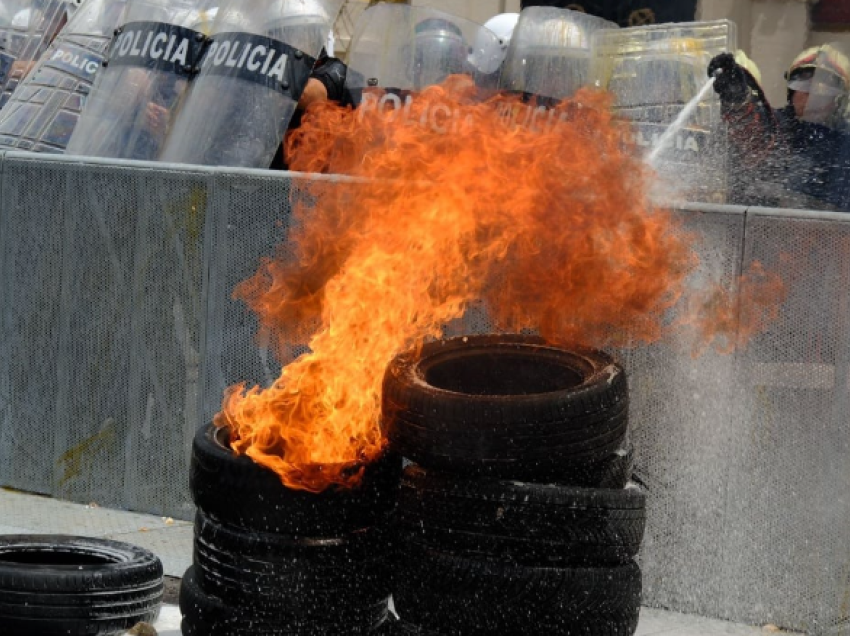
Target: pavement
171, 540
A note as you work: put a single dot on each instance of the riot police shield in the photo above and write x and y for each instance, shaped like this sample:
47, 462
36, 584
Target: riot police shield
26, 29
657, 75
42, 113
251, 77
549, 56
149, 62
398, 50
824, 76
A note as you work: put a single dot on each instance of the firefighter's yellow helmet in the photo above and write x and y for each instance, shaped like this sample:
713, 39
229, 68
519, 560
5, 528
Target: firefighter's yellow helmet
742, 59
825, 57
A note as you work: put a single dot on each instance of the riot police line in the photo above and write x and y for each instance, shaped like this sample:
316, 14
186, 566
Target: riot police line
218, 83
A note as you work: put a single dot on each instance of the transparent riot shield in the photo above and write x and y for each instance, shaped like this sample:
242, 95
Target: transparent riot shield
658, 76
398, 50
26, 29
149, 62
549, 56
42, 113
824, 76
251, 77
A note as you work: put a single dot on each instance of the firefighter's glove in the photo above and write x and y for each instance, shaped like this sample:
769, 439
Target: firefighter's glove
730, 78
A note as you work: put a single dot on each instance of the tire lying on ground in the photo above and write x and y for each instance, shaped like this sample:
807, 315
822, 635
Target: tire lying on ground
535, 524
59, 584
453, 595
206, 615
237, 490
336, 580
506, 406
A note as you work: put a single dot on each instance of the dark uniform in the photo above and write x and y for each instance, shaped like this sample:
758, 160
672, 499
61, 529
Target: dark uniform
777, 157
331, 72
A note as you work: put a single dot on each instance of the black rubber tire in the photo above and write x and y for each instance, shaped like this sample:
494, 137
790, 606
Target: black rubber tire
533, 524
396, 627
207, 615
78, 586
304, 578
234, 489
506, 406
614, 471
453, 595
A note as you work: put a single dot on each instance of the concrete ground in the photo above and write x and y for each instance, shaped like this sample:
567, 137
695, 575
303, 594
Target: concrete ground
171, 541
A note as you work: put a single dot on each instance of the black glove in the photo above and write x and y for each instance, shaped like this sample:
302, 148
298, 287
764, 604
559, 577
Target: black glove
331, 72
730, 78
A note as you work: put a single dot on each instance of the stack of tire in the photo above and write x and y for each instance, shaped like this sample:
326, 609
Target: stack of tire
515, 515
269, 560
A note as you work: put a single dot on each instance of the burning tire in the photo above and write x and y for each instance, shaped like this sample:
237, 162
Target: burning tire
511, 407
269, 559
234, 489
455, 595
342, 577
58, 584
534, 524
206, 615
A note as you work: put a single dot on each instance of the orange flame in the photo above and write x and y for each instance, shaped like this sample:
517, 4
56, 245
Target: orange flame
726, 321
452, 203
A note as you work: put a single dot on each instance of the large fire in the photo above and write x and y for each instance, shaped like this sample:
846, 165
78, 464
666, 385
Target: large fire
451, 203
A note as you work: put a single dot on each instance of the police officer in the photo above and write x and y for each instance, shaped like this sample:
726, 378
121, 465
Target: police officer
802, 147
326, 83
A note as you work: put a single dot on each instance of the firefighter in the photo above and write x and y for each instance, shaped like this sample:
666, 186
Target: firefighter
798, 155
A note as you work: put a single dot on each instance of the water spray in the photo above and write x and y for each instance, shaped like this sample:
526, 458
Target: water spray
683, 117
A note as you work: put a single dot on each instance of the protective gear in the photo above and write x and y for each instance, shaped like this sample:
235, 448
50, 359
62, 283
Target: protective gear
42, 114
202, 21
32, 26
657, 75
396, 49
239, 105
550, 50
730, 78
303, 24
743, 60
818, 81
132, 101
488, 54
439, 51
331, 72
796, 155
824, 57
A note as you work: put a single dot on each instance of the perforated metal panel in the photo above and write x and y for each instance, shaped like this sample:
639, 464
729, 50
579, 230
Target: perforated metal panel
682, 421
31, 247
103, 298
249, 218
119, 332
786, 534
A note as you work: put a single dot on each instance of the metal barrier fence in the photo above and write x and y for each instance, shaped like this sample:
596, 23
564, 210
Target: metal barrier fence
118, 335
